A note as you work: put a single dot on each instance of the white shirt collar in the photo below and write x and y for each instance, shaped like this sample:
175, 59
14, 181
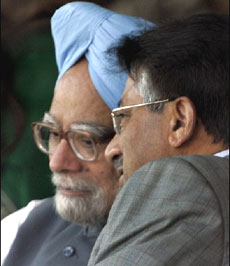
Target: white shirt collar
222, 153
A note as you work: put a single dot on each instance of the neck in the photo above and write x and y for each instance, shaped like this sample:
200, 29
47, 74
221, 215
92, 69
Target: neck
203, 144
207, 149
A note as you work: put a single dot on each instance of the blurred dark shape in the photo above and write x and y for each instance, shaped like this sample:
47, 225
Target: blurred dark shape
12, 121
160, 10
7, 206
25, 16
11, 109
219, 6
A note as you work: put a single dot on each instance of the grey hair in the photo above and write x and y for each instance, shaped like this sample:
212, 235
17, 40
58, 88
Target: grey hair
91, 210
144, 87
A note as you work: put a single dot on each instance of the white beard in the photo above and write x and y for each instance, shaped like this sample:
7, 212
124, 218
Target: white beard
89, 210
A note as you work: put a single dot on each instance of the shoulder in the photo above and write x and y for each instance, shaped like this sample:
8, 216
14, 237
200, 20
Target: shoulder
190, 163
192, 179
183, 170
19, 216
173, 203
11, 224
169, 188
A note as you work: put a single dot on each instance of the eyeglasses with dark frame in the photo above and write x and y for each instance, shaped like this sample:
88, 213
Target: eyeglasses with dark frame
84, 144
117, 115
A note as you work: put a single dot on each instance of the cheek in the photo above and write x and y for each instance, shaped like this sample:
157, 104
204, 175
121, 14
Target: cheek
103, 172
107, 179
139, 146
130, 146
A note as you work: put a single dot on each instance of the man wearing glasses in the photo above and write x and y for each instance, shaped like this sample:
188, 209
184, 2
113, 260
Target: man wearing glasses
74, 134
172, 131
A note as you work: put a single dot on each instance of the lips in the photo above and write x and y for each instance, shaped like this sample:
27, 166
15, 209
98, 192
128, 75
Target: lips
69, 188
72, 191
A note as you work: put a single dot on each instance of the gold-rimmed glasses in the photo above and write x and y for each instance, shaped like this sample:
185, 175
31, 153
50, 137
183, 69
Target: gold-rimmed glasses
117, 115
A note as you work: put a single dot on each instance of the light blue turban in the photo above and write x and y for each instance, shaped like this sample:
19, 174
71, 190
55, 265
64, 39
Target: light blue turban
82, 28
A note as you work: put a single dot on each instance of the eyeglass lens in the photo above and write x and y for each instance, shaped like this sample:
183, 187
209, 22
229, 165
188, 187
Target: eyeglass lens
47, 138
82, 144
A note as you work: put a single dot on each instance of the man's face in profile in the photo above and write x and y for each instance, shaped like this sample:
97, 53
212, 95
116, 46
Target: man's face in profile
143, 135
84, 190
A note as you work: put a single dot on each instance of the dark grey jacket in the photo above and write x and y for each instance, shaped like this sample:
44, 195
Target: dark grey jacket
171, 212
45, 239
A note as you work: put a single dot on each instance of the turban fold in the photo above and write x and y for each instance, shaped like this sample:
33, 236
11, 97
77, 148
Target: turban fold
86, 29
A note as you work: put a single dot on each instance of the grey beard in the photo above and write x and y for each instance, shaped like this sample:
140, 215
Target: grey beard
90, 210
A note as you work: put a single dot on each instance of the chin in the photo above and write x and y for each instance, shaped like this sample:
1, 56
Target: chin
82, 210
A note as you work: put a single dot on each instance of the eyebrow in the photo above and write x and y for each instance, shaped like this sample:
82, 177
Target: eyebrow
94, 128
50, 119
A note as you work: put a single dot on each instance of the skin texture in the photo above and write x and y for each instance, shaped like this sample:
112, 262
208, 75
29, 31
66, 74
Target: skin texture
150, 135
76, 101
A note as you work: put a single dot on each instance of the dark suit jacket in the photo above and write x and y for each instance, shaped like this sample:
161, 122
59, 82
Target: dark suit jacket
45, 239
172, 212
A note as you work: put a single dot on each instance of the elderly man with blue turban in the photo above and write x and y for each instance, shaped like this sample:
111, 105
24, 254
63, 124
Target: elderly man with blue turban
74, 133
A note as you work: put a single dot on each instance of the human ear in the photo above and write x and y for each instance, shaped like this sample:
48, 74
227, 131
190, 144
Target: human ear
182, 121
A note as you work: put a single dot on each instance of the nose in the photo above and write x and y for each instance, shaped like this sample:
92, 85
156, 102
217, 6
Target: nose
63, 159
113, 151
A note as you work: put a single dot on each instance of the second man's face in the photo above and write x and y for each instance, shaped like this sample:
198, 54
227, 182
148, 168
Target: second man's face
143, 136
84, 190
